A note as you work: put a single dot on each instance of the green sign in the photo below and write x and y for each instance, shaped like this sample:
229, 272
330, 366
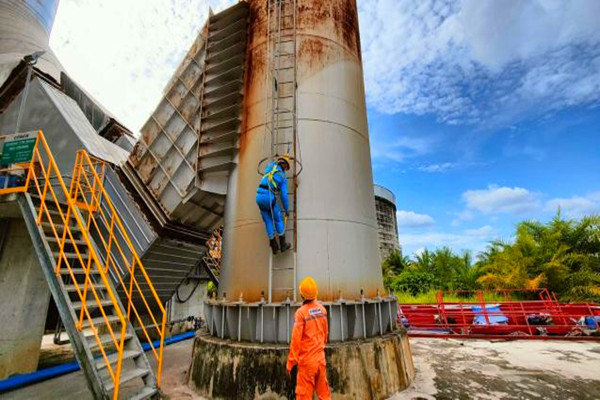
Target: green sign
17, 149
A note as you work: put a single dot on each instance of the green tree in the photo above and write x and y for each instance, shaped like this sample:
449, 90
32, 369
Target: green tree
393, 266
562, 255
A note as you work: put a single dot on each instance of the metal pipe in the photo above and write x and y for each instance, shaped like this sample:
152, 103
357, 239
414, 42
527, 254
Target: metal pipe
23, 380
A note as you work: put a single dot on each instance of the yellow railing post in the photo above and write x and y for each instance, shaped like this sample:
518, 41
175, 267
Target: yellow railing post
86, 193
112, 221
93, 261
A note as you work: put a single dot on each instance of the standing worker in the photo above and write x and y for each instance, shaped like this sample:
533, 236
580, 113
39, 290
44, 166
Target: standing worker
272, 185
307, 350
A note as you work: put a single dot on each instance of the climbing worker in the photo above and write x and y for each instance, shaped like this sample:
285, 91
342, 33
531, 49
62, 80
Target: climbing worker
272, 185
307, 350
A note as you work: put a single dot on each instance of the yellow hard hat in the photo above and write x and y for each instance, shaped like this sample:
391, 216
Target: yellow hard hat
284, 158
308, 288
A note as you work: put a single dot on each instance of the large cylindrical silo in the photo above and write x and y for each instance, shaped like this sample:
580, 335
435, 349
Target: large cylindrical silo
25, 27
337, 240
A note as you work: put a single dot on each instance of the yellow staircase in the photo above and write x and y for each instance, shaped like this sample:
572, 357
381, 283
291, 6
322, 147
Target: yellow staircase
84, 248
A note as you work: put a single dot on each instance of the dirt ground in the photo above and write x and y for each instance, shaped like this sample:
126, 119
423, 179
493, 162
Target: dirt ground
446, 369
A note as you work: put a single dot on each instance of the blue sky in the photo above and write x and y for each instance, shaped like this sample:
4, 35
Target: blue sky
481, 113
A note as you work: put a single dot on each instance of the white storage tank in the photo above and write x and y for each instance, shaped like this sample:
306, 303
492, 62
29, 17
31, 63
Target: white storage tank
337, 239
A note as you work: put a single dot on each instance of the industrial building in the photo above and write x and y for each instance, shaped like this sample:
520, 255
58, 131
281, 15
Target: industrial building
387, 222
123, 233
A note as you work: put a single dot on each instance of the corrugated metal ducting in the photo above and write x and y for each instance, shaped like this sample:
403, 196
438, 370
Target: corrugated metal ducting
188, 145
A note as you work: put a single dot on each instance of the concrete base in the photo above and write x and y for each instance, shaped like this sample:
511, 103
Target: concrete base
370, 369
24, 298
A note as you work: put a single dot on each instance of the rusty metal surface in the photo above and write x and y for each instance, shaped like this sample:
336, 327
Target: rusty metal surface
273, 322
188, 145
337, 227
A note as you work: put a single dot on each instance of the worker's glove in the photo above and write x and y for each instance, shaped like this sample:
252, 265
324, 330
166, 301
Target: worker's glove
292, 372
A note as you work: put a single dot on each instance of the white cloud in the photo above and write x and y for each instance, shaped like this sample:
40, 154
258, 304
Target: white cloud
576, 206
438, 167
471, 61
484, 231
463, 61
465, 215
401, 149
471, 239
496, 200
447, 166
410, 219
124, 52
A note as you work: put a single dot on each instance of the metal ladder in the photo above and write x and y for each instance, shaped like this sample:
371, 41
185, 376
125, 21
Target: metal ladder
282, 129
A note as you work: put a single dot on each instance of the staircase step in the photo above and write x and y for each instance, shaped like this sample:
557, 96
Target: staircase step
106, 339
59, 227
114, 357
146, 393
99, 321
71, 255
50, 203
77, 271
127, 376
72, 288
92, 305
78, 242
53, 212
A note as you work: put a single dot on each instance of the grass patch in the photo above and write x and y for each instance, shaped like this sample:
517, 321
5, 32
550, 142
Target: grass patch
430, 297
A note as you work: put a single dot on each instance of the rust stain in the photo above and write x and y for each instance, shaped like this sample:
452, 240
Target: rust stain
345, 17
146, 167
136, 154
314, 12
255, 67
341, 15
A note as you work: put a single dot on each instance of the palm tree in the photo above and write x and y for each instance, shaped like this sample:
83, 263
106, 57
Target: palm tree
393, 266
562, 255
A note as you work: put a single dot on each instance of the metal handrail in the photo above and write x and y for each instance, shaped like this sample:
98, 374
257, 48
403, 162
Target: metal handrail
40, 172
89, 194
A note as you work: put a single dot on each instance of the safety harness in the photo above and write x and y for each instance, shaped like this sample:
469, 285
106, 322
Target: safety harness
269, 175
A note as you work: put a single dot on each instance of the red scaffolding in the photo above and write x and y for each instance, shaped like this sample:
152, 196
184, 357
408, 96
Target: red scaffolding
521, 314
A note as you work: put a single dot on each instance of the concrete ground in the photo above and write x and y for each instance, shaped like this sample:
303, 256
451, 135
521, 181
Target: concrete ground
446, 369
481, 369
177, 359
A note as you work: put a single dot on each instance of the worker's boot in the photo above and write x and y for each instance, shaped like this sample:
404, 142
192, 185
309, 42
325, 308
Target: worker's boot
274, 245
283, 245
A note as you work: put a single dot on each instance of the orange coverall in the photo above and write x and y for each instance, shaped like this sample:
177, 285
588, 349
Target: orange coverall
307, 350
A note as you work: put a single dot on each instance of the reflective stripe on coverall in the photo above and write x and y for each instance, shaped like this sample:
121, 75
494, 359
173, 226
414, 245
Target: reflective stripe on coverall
307, 350
274, 182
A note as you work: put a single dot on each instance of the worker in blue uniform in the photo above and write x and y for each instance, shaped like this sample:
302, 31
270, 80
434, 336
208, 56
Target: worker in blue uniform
273, 185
